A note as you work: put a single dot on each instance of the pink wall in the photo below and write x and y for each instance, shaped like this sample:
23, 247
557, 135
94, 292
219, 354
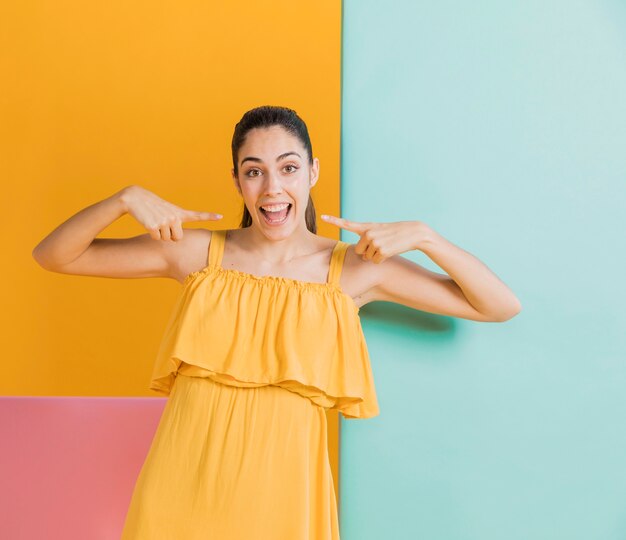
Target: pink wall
68, 464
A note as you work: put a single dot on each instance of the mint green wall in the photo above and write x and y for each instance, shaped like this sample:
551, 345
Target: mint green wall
503, 126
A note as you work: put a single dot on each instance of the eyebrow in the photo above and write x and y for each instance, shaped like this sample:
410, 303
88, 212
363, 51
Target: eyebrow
258, 160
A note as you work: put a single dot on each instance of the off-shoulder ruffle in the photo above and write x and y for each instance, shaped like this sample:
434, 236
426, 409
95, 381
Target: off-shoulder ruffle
247, 330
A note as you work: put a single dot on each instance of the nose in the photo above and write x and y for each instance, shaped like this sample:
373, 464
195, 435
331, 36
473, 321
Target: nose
273, 185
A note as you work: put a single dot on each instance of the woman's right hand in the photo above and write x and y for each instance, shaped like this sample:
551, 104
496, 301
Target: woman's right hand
162, 219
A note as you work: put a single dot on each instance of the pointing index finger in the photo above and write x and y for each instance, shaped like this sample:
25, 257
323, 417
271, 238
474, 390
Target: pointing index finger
344, 223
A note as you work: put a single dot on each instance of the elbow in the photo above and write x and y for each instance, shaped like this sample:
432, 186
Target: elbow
36, 256
510, 313
39, 259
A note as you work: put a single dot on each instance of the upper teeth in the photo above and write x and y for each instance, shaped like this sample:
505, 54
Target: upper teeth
275, 207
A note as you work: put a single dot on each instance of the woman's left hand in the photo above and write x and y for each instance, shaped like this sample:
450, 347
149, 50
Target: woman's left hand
380, 241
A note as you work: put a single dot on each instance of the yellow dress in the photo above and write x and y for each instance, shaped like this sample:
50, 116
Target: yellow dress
250, 363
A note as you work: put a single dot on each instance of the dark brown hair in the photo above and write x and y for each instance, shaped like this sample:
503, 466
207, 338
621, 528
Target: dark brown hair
264, 117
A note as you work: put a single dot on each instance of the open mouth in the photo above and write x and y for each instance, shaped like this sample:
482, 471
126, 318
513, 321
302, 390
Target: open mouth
277, 218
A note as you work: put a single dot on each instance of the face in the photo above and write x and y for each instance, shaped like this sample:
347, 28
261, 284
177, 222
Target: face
274, 170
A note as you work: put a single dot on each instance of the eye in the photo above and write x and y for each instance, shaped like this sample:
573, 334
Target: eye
249, 173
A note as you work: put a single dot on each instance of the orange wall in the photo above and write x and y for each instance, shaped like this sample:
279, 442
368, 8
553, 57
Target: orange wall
101, 95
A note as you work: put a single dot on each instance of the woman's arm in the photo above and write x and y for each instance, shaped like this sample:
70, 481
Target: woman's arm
71, 239
72, 248
470, 290
482, 288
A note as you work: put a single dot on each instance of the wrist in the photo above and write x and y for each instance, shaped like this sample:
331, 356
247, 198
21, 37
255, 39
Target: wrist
121, 199
425, 236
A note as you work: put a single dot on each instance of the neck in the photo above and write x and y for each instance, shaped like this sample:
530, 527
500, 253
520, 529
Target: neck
283, 247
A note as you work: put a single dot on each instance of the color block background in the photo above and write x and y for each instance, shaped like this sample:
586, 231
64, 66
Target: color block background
97, 96
503, 126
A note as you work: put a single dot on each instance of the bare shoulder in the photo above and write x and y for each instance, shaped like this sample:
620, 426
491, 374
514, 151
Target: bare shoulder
358, 277
190, 253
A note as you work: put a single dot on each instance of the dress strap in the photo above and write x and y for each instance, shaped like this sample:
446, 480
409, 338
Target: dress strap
216, 247
336, 261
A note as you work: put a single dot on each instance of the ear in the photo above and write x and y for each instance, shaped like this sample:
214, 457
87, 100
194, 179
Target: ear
314, 173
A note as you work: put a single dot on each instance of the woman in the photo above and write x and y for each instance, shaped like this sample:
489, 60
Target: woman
264, 337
